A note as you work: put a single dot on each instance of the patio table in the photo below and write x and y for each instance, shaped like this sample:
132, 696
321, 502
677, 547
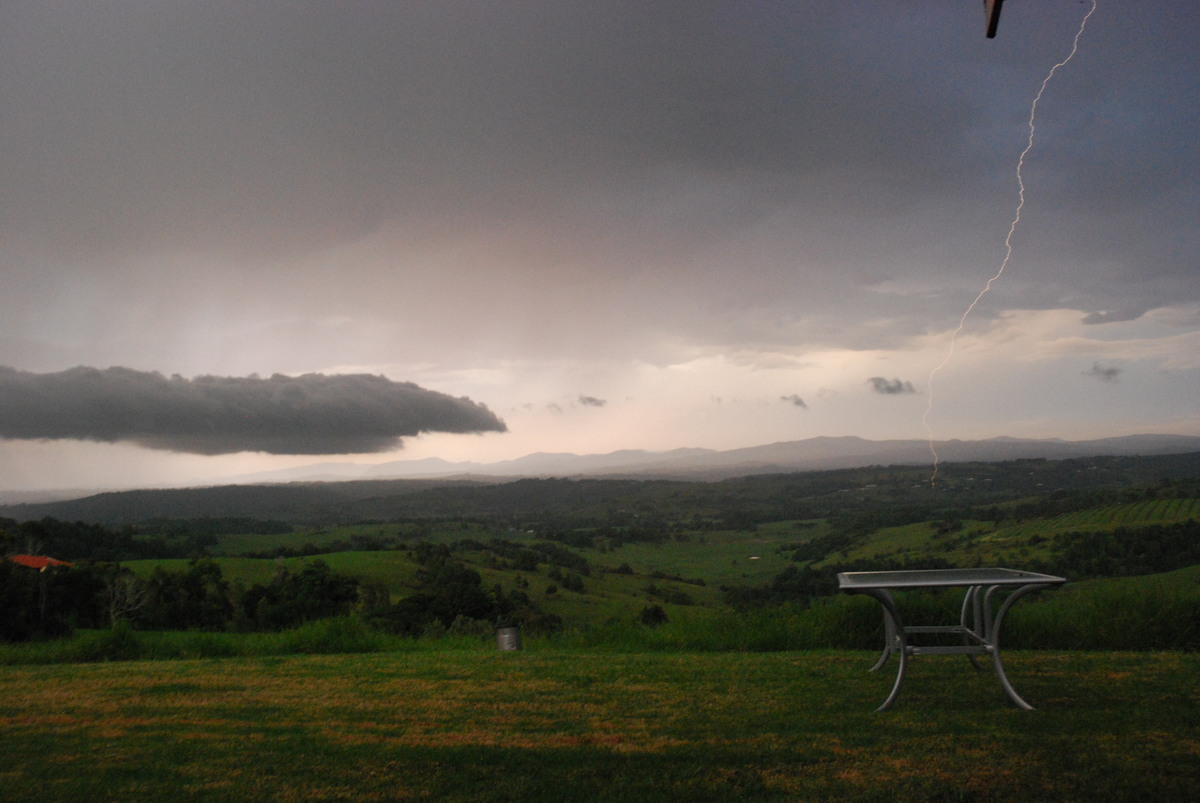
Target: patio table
979, 621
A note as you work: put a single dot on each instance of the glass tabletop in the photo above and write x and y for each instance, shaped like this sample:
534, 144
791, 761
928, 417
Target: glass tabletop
937, 578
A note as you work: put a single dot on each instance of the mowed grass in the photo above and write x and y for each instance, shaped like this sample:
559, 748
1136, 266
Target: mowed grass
554, 724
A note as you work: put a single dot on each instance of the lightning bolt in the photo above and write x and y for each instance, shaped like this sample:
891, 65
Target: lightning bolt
1008, 248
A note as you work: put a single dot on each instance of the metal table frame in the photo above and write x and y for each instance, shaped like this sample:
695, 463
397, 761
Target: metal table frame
979, 621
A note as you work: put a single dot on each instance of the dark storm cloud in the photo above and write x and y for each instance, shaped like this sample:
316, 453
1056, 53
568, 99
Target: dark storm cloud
808, 144
890, 387
795, 400
163, 124
310, 414
317, 112
592, 401
1098, 371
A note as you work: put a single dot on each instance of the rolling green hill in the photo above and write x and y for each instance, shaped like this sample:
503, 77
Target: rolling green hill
586, 552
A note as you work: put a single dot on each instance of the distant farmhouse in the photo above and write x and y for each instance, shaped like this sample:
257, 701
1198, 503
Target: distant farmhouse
39, 562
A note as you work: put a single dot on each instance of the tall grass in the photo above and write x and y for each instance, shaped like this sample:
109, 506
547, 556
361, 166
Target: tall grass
838, 622
324, 637
1137, 614
1158, 612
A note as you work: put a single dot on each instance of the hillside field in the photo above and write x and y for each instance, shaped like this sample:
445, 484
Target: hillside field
686, 572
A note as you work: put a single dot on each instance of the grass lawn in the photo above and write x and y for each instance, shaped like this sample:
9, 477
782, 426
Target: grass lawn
554, 724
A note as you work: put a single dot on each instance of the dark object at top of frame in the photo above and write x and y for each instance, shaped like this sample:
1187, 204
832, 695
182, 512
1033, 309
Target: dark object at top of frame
991, 10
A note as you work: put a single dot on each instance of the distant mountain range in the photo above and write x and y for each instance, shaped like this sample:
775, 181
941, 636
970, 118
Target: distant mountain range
812, 454
348, 491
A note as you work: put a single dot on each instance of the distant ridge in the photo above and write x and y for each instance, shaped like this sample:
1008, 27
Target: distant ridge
335, 487
812, 454
825, 453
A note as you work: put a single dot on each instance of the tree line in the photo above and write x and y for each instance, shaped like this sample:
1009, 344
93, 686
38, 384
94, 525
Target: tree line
55, 601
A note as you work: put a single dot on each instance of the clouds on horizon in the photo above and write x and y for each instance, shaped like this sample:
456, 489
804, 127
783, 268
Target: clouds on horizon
210, 415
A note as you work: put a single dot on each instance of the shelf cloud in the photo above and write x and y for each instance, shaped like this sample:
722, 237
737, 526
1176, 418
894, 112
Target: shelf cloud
209, 415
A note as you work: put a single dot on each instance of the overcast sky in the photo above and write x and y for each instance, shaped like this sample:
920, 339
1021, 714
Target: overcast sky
611, 224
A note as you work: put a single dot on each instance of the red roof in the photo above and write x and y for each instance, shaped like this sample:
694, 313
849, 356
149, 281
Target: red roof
39, 562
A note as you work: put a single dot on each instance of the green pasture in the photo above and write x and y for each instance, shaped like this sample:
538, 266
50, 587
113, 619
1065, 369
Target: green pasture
893, 542
725, 557
606, 595
751, 557
434, 532
553, 724
974, 543
392, 568
718, 557
986, 543
1107, 517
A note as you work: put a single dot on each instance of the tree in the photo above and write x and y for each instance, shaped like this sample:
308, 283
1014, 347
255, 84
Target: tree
458, 591
196, 599
316, 592
124, 593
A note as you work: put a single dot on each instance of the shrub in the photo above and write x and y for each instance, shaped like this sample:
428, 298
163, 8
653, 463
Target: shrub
653, 616
343, 634
466, 626
120, 643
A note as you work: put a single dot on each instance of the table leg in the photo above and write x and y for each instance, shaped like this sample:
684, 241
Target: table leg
889, 637
895, 641
994, 641
971, 606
